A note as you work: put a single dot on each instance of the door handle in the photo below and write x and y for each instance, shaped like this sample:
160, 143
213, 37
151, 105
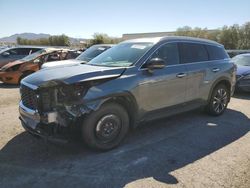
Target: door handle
215, 69
181, 75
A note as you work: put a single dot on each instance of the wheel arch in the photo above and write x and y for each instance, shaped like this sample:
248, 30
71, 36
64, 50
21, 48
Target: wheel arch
128, 102
125, 99
223, 80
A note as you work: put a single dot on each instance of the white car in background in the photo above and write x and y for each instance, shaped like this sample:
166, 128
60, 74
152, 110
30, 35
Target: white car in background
85, 57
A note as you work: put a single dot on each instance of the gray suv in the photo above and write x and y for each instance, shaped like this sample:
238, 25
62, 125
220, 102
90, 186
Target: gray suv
135, 81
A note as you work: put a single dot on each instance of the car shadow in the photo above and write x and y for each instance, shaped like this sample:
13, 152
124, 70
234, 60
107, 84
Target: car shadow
8, 86
242, 95
152, 150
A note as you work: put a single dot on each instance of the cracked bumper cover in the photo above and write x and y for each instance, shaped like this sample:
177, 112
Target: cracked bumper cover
32, 122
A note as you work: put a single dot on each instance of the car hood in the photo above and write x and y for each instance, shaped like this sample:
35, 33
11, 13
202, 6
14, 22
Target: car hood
242, 70
72, 74
64, 63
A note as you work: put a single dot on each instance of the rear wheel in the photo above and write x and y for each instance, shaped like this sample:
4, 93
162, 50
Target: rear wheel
105, 128
219, 100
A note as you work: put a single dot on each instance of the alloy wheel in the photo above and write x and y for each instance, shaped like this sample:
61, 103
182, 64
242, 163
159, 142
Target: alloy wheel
220, 100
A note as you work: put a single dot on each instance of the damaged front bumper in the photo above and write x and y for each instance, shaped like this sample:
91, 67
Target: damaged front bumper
42, 126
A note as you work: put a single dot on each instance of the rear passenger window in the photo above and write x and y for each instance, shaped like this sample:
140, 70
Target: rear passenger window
216, 52
13, 51
191, 52
24, 51
35, 50
168, 52
20, 51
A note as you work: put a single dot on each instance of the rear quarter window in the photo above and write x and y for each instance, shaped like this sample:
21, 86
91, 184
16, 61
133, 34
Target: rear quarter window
35, 50
192, 52
216, 52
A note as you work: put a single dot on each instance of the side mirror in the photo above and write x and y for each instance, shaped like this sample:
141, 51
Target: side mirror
155, 63
5, 54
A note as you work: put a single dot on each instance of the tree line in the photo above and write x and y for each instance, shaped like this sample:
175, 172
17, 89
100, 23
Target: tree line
232, 37
57, 40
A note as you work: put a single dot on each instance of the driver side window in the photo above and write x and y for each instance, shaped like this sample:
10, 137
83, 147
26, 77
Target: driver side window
168, 52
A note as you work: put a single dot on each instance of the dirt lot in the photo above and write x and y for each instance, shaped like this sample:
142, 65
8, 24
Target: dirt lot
188, 150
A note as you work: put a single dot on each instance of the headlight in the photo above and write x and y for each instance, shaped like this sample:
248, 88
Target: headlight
68, 93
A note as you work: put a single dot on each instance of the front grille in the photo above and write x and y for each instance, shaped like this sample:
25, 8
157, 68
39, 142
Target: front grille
46, 98
29, 97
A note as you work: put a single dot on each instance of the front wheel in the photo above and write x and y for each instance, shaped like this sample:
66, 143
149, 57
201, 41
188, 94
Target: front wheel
105, 128
219, 100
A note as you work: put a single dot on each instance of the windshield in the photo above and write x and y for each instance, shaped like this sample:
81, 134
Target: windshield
242, 60
33, 56
122, 55
92, 52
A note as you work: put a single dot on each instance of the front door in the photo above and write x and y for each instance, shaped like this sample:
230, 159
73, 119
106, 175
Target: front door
195, 56
164, 87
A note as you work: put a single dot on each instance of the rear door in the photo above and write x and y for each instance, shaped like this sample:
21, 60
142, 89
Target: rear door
195, 57
164, 87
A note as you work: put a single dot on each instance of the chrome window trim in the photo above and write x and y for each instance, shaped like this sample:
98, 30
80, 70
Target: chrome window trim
168, 42
177, 41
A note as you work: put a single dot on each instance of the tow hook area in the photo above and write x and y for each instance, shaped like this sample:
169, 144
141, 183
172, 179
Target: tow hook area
38, 132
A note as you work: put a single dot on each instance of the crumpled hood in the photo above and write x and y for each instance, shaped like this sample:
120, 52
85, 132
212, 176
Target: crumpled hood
17, 62
73, 74
64, 63
242, 70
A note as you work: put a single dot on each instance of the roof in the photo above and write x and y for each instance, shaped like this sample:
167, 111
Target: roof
152, 40
246, 54
128, 36
48, 50
108, 45
174, 38
238, 51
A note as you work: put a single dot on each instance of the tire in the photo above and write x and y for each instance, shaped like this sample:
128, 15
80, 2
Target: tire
105, 128
218, 101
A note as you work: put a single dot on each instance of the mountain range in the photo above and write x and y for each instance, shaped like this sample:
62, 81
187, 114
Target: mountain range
33, 36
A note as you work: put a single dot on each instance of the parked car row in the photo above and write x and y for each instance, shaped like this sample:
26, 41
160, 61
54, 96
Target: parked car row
85, 57
132, 82
14, 71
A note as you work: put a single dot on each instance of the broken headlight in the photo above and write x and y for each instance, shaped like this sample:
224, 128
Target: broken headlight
69, 93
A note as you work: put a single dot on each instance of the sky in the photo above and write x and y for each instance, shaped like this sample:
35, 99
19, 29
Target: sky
83, 18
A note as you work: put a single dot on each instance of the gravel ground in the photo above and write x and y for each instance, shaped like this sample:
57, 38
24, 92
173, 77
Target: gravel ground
187, 150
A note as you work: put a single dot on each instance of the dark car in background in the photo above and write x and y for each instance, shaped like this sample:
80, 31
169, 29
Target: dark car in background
84, 57
243, 72
233, 53
11, 54
135, 81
